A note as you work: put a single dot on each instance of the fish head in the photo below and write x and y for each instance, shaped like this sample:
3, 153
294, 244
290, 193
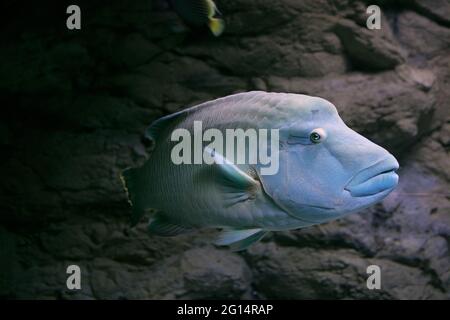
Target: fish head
327, 170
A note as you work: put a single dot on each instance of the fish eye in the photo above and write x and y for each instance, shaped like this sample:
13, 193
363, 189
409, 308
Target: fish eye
317, 135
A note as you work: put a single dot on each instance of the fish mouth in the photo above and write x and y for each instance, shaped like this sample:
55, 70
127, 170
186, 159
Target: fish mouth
375, 179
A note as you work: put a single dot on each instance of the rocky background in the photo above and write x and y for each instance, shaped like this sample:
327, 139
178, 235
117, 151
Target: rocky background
74, 105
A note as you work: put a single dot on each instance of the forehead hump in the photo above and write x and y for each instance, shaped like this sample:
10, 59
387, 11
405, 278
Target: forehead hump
269, 109
309, 107
285, 108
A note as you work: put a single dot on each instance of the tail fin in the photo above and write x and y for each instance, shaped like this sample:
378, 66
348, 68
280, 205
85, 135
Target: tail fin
130, 181
216, 26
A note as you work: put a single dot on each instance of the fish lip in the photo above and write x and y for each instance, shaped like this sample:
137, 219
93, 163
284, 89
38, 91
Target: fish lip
383, 168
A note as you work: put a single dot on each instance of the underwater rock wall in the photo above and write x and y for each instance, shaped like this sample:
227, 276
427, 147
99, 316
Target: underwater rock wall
74, 106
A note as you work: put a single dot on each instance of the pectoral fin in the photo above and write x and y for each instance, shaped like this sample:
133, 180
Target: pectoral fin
230, 172
237, 185
239, 239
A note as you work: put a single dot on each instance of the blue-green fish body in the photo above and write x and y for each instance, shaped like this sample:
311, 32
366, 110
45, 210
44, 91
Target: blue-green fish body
325, 171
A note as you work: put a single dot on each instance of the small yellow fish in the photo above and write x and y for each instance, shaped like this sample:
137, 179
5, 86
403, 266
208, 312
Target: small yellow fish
199, 13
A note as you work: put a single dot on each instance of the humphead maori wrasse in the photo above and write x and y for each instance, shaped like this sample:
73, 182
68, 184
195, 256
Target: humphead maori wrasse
325, 171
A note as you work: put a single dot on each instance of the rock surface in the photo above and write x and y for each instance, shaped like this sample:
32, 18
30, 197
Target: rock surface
75, 103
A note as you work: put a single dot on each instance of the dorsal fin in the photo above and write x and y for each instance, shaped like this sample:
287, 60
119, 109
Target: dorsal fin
153, 131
